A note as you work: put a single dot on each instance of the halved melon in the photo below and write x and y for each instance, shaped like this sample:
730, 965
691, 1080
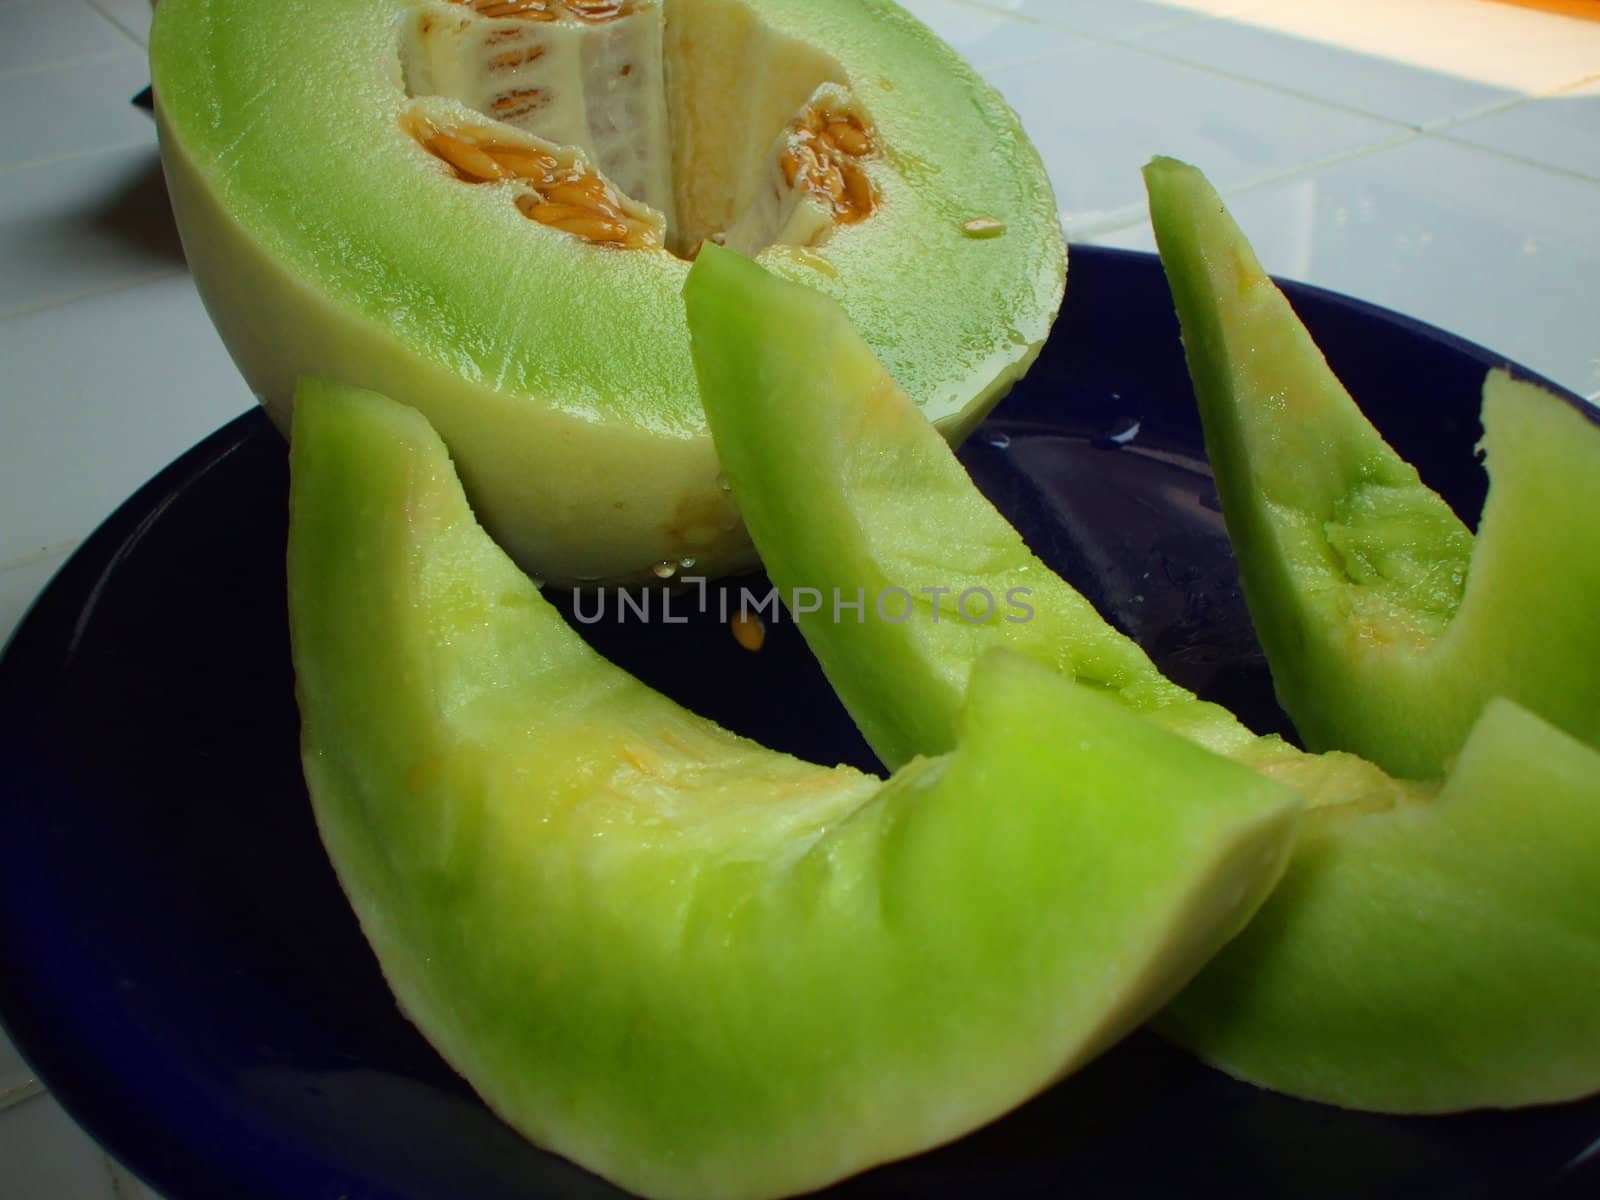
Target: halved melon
487, 209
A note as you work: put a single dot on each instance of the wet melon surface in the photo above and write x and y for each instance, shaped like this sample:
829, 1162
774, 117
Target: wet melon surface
1387, 624
487, 211
697, 966
1435, 945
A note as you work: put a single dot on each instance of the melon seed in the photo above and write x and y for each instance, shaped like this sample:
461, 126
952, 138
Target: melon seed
750, 632
823, 158
562, 195
592, 11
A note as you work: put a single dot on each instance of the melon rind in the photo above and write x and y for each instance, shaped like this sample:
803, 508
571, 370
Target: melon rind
559, 373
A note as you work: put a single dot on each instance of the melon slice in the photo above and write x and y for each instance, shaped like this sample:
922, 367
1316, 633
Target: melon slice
699, 967
1387, 628
1432, 947
849, 491
365, 192
1433, 957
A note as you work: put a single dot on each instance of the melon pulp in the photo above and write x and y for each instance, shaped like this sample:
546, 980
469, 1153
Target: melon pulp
486, 209
1433, 957
1386, 627
699, 967
1386, 970
849, 491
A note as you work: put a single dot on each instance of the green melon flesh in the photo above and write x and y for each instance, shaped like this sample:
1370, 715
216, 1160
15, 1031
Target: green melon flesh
848, 490
702, 968
1433, 958
1387, 630
326, 241
1428, 950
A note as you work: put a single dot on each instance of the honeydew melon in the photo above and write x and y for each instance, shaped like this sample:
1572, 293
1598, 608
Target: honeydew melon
1432, 957
1435, 945
1387, 627
848, 491
487, 209
702, 968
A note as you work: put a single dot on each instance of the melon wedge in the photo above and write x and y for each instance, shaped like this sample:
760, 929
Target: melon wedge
696, 966
1431, 958
1387, 627
487, 209
849, 491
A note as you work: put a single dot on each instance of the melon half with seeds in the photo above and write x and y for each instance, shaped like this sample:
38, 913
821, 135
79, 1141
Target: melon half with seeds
487, 209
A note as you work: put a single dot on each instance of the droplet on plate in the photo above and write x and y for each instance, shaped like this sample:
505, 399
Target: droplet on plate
1000, 441
1120, 433
665, 570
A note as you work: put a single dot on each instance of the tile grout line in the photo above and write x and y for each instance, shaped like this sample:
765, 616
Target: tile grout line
1520, 160
1191, 17
111, 20
1240, 77
111, 289
1434, 126
1131, 43
1446, 124
42, 555
19, 1089
31, 163
79, 60
1115, 224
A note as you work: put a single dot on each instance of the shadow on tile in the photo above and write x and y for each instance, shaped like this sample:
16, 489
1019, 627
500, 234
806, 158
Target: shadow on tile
139, 214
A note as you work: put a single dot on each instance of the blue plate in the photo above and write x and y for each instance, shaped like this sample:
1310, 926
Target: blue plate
178, 963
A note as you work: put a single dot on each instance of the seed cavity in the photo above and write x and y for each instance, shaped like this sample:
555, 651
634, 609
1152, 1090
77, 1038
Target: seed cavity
619, 93
552, 187
827, 146
591, 11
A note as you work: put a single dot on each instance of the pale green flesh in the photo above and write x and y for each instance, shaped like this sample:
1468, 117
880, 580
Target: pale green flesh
843, 485
1387, 630
848, 490
324, 240
1433, 958
696, 966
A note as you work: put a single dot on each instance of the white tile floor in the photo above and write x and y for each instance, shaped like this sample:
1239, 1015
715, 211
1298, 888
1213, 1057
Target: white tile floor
1240, 132
1561, 131
1413, 227
1438, 156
